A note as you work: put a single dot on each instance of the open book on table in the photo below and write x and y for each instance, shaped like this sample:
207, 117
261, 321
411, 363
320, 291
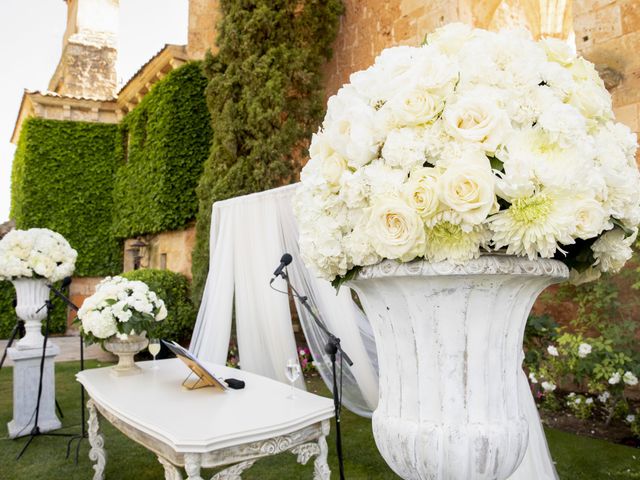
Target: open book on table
204, 377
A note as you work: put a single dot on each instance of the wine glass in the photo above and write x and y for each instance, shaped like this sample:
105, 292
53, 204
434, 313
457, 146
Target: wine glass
154, 349
292, 371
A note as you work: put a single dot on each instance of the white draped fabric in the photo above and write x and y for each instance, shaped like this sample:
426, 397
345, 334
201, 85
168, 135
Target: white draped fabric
249, 234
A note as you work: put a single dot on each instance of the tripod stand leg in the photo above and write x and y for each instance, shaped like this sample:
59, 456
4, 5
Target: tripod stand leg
26, 445
12, 337
59, 409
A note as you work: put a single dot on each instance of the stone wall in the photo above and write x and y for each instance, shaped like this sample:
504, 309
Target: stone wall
608, 34
203, 18
165, 251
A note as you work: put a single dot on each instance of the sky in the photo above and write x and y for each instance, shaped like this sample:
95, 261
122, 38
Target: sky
30, 45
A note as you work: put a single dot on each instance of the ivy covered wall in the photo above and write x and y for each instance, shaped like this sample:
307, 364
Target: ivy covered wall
62, 179
161, 148
265, 97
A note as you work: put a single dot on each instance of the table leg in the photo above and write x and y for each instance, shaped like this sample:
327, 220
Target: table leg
192, 462
97, 453
321, 470
171, 472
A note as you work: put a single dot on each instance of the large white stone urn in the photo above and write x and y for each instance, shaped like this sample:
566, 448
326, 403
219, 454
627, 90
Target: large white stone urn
449, 340
31, 295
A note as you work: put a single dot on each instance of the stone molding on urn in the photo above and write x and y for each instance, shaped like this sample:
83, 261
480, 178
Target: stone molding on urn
449, 340
31, 296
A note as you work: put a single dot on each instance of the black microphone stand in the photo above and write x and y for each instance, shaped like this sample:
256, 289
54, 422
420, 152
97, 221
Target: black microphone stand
83, 431
332, 348
18, 329
35, 431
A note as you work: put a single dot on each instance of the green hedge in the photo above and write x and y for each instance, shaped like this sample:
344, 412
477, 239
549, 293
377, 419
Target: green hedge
163, 143
8, 316
62, 179
173, 289
265, 97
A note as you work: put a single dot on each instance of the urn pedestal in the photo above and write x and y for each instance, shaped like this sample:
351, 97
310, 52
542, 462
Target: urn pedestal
449, 340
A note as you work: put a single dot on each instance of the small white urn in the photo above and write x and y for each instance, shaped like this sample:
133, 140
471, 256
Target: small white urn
31, 295
449, 340
125, 350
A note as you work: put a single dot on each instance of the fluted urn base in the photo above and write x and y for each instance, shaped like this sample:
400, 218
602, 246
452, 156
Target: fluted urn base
126, 351
31, 296
449, 340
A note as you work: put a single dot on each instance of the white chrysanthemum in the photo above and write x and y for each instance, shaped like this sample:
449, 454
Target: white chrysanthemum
612, 250
447, 241
535, 225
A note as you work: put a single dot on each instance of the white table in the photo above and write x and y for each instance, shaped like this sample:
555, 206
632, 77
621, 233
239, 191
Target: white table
205, 427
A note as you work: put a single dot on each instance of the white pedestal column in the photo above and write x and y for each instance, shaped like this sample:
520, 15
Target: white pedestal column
26, 374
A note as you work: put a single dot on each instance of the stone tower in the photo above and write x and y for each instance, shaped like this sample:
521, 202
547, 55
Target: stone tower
203, 18
87, 66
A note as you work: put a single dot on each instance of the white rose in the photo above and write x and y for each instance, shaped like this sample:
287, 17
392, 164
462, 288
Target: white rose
559, 51
592, 100
421, 191
332, 168
395, 229
553, 351
450, 38
630, 379
478, 121
469, 190
584, 349
415, 106
591, 218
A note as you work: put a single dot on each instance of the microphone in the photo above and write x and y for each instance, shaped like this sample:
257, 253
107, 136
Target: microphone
66, 281
284, 261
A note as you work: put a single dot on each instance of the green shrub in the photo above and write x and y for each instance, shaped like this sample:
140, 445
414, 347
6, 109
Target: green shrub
173, 289
62, 179
265, 97
8, 318
161, 148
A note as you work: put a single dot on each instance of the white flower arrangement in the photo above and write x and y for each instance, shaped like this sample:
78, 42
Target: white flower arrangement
36, 253
474, 141
120, 308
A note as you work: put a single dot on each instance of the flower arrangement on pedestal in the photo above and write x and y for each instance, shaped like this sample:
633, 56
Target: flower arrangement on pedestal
32, 259
120, 308
36, 253
475, 141
118, 315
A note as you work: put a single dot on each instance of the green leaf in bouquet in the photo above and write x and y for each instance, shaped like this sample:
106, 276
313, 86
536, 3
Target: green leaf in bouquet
350, 275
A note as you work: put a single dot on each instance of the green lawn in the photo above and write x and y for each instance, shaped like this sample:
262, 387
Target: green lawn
578, 458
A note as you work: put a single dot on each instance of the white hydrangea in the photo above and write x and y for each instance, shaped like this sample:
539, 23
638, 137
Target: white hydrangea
475, 141
584, 349
118, 301
37, 252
